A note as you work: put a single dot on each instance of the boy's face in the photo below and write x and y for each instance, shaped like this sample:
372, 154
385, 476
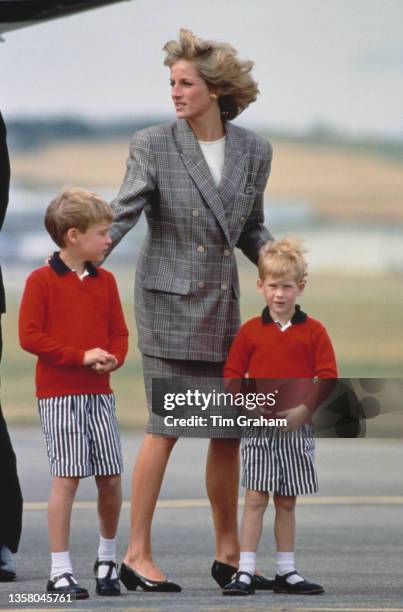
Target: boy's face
280, 295
93, 244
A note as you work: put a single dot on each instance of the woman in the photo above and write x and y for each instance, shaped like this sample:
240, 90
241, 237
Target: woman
200, 182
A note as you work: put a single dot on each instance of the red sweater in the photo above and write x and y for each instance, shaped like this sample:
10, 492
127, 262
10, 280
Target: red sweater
61, 317
262, 350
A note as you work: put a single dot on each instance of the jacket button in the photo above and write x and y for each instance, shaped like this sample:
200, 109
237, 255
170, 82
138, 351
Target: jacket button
201, 284
227, 252
224, 286
242, 219
195, 213
200, 249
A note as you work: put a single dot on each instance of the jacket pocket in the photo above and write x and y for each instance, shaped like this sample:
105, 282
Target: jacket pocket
177, 286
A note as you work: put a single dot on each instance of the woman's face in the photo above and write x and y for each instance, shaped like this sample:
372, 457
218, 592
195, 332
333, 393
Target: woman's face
190, 93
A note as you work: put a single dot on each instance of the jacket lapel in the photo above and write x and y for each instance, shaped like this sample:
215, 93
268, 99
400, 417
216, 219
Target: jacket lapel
198, 169
234, 170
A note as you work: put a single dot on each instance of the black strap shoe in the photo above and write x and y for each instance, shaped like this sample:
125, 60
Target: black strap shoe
303, 587
72, 588
132, 580
261, 583
107, 586
238, 587
223, 573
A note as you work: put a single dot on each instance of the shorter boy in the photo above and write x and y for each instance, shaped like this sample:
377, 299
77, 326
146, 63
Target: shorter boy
72, 319
283, 343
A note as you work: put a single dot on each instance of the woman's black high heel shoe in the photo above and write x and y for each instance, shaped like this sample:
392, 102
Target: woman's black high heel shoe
223, 573
132, 580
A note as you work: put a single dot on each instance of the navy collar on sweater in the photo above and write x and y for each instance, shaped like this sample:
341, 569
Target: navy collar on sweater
298, 317
60, 267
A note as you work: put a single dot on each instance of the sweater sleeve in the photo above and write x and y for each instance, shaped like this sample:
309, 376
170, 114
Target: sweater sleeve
32, 327
237, 363
118, 332
324, 357
325, 367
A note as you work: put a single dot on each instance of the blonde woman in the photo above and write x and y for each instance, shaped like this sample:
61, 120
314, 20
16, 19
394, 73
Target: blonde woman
200, 182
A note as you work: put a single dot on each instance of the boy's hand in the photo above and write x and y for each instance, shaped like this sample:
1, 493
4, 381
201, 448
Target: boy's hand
96, 355
295, 417
102, 368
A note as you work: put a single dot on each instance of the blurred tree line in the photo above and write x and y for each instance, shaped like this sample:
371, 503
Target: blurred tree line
29, 133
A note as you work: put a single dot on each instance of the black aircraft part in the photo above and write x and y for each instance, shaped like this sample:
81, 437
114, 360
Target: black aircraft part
19, 11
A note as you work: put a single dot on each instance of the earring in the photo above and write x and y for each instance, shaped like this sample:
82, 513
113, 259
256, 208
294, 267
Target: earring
213, 96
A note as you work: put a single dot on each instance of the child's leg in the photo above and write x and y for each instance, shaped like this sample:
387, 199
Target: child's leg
284, 522
251, 530
59, 515
59, 512
284, 531
109, 504
287, 579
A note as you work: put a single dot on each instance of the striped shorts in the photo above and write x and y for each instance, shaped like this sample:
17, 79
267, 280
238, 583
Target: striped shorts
282, 462
81, 434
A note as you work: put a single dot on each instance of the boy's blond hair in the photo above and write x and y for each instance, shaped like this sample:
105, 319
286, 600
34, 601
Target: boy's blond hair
78, 208
283, 257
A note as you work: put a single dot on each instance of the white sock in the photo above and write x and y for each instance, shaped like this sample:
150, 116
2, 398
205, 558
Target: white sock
285, 564
7, 558
247, 563
61, 564
106, 552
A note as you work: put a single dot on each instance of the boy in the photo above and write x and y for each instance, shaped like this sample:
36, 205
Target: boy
72, 319
283, 342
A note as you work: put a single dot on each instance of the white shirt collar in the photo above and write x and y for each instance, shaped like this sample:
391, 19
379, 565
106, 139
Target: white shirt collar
283, 326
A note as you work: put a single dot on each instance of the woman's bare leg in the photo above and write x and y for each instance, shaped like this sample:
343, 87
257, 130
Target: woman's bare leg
147, 478
222, 482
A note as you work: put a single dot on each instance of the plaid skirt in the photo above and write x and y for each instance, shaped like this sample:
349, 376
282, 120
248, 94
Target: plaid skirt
156, 367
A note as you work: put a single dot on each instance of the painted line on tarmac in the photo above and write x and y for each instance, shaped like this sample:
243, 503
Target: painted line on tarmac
320, 500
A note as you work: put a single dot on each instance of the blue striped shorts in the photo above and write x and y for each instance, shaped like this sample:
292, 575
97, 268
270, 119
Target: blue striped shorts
81, 434
282, 462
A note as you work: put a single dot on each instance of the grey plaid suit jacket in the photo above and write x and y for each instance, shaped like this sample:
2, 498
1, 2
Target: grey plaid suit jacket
187, 287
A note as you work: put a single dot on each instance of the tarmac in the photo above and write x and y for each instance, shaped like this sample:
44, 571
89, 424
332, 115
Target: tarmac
349, 537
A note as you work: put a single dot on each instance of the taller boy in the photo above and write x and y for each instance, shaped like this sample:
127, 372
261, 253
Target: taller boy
72, 319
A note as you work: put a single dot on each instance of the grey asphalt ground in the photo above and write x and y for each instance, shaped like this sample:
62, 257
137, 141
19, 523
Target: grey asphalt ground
349, 538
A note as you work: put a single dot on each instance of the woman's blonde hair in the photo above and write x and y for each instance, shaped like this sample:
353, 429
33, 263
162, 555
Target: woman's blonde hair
78, 208
283, 257
217, 63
